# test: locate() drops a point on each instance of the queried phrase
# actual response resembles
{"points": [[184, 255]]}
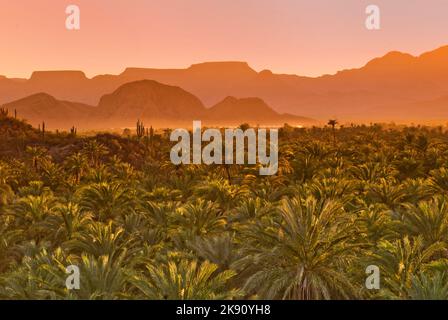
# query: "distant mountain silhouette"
{"points": [[233, 111], [154, 103], [56, 113], [365, 93], [149, 101]]}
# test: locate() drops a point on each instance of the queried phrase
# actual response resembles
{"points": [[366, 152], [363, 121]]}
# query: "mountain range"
{"points": [[395, 87], [154, 103]]}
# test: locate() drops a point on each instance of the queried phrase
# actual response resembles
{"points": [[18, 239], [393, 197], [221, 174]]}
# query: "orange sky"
{"points": [[286, 36]]}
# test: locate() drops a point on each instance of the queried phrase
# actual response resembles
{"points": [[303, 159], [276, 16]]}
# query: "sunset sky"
{"points": [[286, 36]]}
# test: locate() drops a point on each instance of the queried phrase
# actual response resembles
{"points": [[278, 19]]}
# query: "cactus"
{"points": [[140, 129], [43, 130], [73, 131], [3, 112]]}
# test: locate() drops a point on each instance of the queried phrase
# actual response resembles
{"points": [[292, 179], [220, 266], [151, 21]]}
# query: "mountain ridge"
{"points": [[384, 82], [154, 103]]}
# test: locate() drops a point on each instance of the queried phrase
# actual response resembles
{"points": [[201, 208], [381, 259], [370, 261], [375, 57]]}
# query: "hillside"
{"points": [[149, 101], [57, 114], [233, 111]]}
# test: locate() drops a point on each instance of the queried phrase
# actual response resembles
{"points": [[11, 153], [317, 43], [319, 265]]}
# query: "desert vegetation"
{"points": [[139, 227]]}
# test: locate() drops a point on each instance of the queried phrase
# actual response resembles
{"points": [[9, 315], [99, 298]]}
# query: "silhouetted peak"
{"points": [[225, 67], [40, 97], [232, 103], [149, 101], [391, 59], [65, 75], [229, 99], [266, 73], [143, 85], [139, 72], [253, 100]]}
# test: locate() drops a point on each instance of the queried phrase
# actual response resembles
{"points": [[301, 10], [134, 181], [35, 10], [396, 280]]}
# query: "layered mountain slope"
{"points": [[391, 81], [154, 103], [233, 111], [56, 113], [149, 101]]}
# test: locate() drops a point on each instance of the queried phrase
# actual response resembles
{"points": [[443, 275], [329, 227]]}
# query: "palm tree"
{"points": [[9, 239], [94, 151], [31, 214], [101, 240], [106, 200], [34, 188], [371, 172], [304, 255], [76, 164], [376, 223], [388, 193], [53, 175], [36, 155], [439, 180], [220, 250], [333, 123], [400, 260], [6, 177], [43, 277], [68, 221], [103, 278], [332, 188], [200, 218], [219, 191], [159, 215], [187, 280], [252, 208], [429, 287], [38, 277], [428, 219], [33, 210]]}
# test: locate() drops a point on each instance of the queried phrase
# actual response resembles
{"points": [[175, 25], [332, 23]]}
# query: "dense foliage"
{"points": [[139, 227]]}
